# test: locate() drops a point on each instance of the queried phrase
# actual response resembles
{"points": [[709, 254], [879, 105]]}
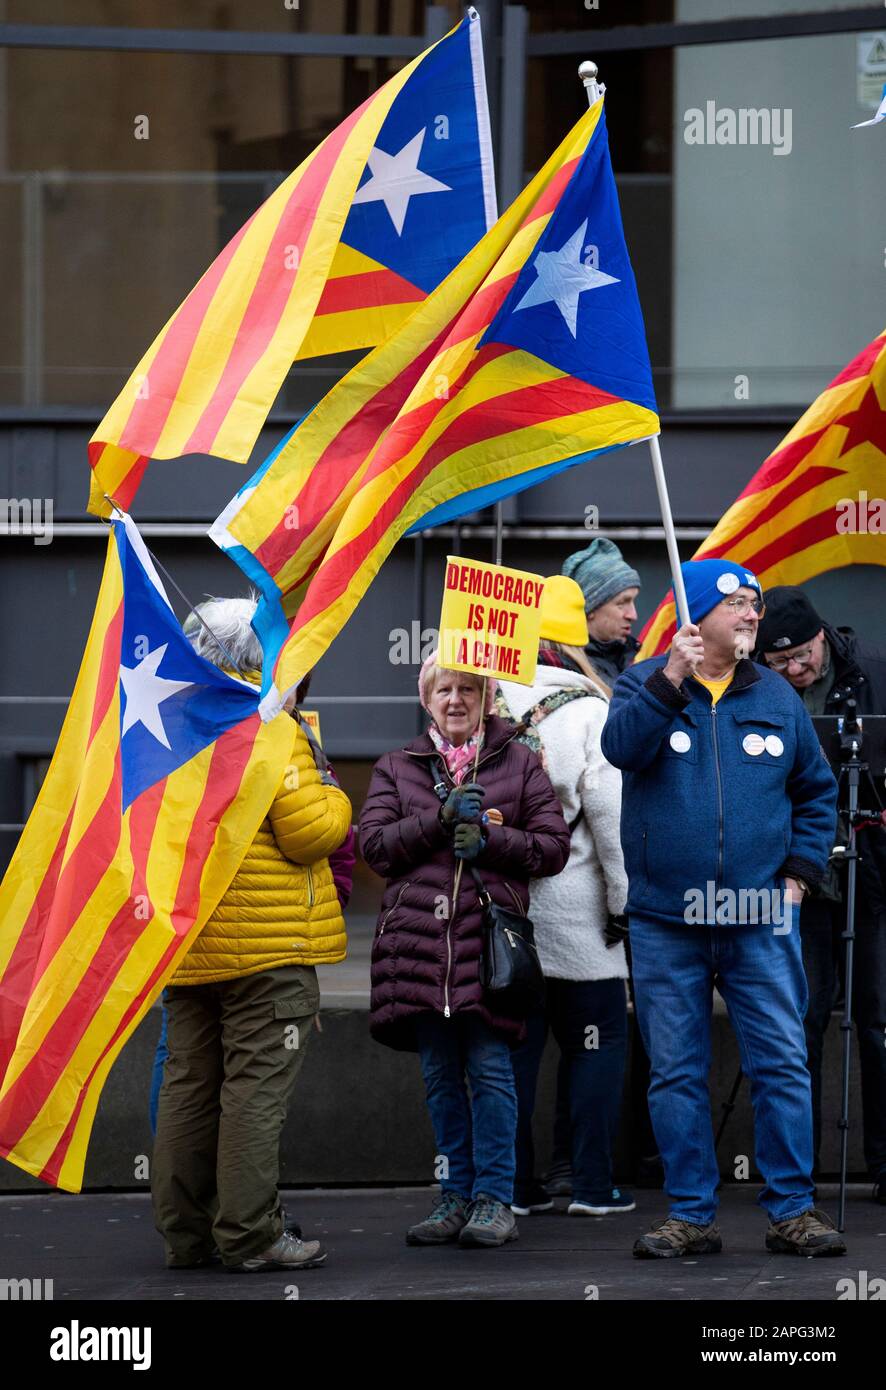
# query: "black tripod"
{"points": [[849, 777]]}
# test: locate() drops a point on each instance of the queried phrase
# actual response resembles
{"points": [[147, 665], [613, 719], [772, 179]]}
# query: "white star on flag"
{"points": [[396, 178], [563, 276], [145, 693]]}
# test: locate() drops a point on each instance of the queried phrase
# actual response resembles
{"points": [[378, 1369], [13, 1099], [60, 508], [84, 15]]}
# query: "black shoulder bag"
{"points": [[510, 970]]}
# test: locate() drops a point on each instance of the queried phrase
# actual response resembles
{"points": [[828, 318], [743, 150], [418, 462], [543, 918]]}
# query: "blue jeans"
{"points": [[159, 1062], [760, 975], [476, 1136], [594, 1076]]}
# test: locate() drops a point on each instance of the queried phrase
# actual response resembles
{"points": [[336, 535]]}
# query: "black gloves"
{"points": [[616, 929], [468, 841], [462, 804]]}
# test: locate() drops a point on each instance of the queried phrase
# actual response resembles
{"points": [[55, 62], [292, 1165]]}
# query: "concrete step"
{"points": [[358, 1115]]}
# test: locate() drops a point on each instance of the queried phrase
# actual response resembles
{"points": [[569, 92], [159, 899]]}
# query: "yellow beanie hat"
{"points": [[563, 617]]}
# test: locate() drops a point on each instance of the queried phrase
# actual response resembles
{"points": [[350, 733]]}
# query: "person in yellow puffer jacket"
{"points": [[241, 1007]]}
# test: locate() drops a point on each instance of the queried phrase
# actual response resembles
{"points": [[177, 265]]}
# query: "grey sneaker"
{"points": [[810, 1233], [444, 1223], [491, 1223], [675, 1237], [288, 1252]]}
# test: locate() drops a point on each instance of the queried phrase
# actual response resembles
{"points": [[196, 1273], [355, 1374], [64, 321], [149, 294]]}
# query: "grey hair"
{"points": [[229, 619]]}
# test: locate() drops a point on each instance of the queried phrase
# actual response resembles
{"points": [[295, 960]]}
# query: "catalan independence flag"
{"points": [[163, 773], [530, 358], [788, 525], [335, 259]]}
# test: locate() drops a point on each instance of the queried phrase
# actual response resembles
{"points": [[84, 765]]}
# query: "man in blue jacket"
{"points": [[728, 818]]}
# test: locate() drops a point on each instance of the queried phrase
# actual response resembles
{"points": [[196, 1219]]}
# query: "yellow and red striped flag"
{"points": [[162, 775], [787, 526], [501, 378], [335, 259]]}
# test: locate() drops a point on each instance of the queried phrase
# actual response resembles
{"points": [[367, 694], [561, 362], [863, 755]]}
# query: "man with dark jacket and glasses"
{"points": [[828, 667]]}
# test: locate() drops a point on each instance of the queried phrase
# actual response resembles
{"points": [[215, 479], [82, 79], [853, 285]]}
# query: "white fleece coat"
{"points": [[570, 910]]}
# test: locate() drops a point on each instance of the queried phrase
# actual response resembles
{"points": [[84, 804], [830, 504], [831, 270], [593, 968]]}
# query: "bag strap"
{"points": [[556, 700], [321, 762], [549, 703]]}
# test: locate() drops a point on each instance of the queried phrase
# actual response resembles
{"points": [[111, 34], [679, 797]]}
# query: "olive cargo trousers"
{"points": [[235, 1049]]}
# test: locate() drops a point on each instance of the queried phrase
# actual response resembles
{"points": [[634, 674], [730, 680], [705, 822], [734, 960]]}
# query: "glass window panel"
{"points": [[778, 246]]}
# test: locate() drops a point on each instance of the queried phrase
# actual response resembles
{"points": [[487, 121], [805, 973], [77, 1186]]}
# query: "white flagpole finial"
{"points": [[587, 71]]}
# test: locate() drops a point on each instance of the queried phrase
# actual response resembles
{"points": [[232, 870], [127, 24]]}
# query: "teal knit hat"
{"points": [[601, 572]]}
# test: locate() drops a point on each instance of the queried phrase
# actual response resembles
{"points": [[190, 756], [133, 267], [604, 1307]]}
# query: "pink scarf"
{"points": [[459, 759]]}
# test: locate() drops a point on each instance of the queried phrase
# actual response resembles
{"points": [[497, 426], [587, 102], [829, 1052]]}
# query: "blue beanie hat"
{"points": [[601, 572], [709, 581]]}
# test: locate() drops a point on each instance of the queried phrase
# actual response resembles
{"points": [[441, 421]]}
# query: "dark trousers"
{"points": [[235, 1049], [589, 1021], [824, 959]]}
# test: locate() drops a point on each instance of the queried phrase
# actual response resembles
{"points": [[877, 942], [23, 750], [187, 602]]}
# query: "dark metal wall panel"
{"points": [[48, 592]]}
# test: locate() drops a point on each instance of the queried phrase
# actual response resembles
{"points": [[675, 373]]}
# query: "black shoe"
{"points": [[206, 1261], [558, 1180], [535, 1199], [879, 1192]]}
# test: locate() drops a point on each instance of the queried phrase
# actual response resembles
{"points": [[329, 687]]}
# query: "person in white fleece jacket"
{"points": [[586, 1004]]}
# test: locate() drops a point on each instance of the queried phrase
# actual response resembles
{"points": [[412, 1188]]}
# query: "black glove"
{"points": [[468, 841], [616, 929], [462, 804]]}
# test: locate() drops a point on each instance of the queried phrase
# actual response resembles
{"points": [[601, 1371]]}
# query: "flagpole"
{"points": [[664, 503], [587, 71]]}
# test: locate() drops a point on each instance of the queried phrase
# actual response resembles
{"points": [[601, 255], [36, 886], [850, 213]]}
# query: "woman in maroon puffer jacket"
{"points": [[426, 991]]}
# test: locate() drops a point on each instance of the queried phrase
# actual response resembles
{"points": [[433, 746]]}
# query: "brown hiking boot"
{"points": [[675, 1237], [810, 1233]]}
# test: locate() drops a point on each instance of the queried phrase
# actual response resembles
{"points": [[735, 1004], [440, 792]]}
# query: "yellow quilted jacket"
{"points": [[281, 907]]}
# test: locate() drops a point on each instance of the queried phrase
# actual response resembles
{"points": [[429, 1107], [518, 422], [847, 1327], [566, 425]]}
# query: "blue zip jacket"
{"points": [[737, 795]]}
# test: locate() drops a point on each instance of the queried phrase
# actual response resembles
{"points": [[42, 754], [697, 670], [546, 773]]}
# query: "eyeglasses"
{"points": [[803, 657], [742, 606]]}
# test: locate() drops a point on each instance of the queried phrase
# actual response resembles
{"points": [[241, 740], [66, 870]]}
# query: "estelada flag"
{"points": [[336, 257], [162, 775], [530, 358], [789, 525]]}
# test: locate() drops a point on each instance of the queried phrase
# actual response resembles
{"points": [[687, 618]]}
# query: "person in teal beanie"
{"points": [[728, 818], [610, 587]]}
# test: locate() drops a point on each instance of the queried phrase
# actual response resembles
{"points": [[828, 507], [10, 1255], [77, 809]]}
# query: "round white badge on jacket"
{"points": [[774, 745], [753, 744], [680, 742]]}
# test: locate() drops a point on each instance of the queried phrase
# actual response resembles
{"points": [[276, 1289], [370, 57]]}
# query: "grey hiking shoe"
{"points": [[491, 1223], [287, 1252], [810, 1233], [444, 1223], [675, 1237]]}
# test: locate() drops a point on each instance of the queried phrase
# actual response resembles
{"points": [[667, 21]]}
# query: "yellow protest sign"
{"points": [[312, 719], [490, 620]]}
